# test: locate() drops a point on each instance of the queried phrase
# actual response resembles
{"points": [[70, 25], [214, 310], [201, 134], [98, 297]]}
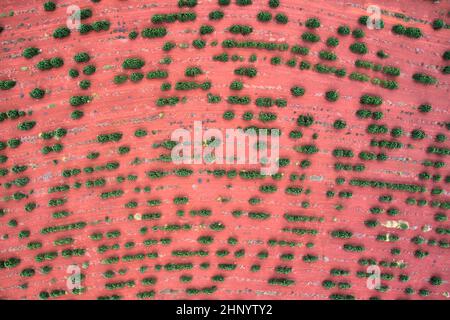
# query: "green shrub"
{"points": [[89, 70], [61, 32], [424, 78], [438, 24], [49, 6], [264, 16], [136, 76], [120, 78], [297, 91], [332, 95], [7, 84], [79, 100], [343, 30], [133, 63], [240, 29], [26, 125], [193, 71], [310, 37], [312, 23], [332, 42], [358, 48], [281, 18], [198, 43], [81, 57], [37, 93], [327, 55], [371, 100], [77, 114], [101, 25], [30, 52], [158, 32], [85, 84], [73, 73], [305, 120], [216, 15], [339, 124], [358, 33], [206, 29]]}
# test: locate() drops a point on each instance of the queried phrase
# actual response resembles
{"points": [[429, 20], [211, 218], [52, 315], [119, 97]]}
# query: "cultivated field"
{"points": [[87, 179]]}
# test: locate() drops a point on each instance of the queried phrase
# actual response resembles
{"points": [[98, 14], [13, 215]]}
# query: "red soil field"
{"points": [[130, 106]]}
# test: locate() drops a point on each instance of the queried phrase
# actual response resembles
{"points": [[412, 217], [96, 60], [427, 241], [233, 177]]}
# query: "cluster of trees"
{"points": [[71, 226], [240, 29], [358, 48], [7, 84], [321, 68], [30, 52], [305, 120], [216, 15], [370, 100], [271, 46], [332, 95], [281, 281], [327, 55], [76, 101], [269, 102], [297, 91], [343, 30], [199, 43], [410, 32], [206, 29], [357, 76], [310, 37], [111, 194], [438, 150], [133, 63], [9, 263], [243, 100], [246, 71], [61, 32], [49, 6], [37, 93], [312, 23], [424, 78], [158, 32], [343, 153], [169, 101], [377, 129], [48, 64], [109, 137], [157, 74], [365, 114], [187, 3], [193, 72], [353, 248], [267, 116], [191, 85], [387, 185], [81, 57], [307, 149], [386, 144], [341, 234], [173, 17], [300, 50], [101, 25]]}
